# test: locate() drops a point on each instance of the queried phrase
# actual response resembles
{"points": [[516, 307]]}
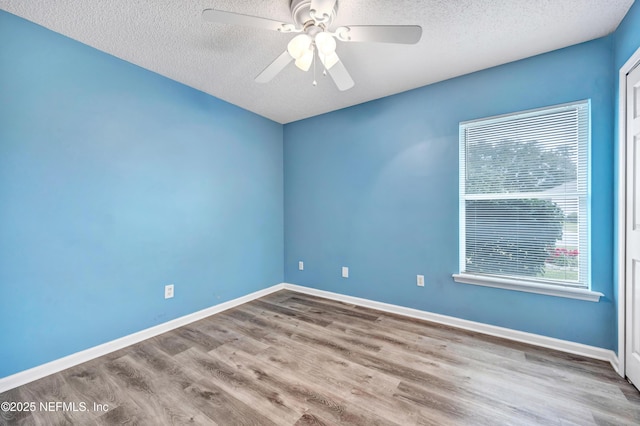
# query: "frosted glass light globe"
{"points": [[325, 43], [299, 45], [304, 62]]}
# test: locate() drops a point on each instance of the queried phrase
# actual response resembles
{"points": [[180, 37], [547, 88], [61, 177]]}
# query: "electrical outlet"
{"points": [[301, 265], [345, 272], [168, 291], [420, 281]]}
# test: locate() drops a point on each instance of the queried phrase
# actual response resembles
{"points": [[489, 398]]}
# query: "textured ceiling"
{"points": [[170, 38]]}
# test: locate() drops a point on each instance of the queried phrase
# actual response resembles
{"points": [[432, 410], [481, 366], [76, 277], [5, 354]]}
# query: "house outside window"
{"points": [[524, 200]]}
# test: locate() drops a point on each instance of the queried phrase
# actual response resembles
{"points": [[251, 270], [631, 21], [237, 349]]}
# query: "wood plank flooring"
{"points": [[294, 359]]}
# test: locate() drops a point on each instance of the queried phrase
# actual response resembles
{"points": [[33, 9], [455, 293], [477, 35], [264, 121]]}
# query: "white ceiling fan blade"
{"points": [[328, 60], [222, 17], [322, 7], [274, 68], [341, 76], [402, 34]]}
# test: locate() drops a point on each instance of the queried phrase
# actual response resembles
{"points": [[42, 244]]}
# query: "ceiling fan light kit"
{"points": [[313, 19]]}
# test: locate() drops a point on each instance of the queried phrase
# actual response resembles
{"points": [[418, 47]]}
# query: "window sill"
{"points": [[530, 287]]}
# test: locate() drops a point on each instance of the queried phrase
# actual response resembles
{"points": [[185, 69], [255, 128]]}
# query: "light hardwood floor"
{"points": [[294, 359]]}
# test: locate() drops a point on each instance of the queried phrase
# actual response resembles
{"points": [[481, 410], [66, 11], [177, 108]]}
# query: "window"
{"points": [[524, 201]]}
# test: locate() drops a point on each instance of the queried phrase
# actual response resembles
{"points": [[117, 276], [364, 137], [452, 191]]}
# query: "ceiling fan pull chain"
{"points": [[323, 61], [315, 83]]}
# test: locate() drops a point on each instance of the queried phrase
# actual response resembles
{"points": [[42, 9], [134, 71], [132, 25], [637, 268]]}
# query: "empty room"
{"points": [[290, 212]]}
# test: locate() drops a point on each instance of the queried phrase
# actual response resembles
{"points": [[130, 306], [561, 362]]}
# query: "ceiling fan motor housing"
{"points": [[302, 16]]}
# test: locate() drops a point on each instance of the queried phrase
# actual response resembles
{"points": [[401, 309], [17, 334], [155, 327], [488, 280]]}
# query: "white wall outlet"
{"points": [[168, 291], [420, 281], [300, 265], [345, 272]]}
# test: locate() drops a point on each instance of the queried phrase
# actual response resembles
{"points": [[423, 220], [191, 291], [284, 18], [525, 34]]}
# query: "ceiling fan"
{"points": [[312, 19]]}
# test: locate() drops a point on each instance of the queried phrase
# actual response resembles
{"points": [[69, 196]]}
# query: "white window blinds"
{"points": [[524, 196]]}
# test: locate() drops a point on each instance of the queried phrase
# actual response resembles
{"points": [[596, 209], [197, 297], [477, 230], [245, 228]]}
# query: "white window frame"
{"points": [[541, 286]]}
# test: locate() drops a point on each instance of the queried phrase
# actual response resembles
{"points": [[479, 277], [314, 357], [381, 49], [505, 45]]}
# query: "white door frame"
{"points": [[622, 195]]}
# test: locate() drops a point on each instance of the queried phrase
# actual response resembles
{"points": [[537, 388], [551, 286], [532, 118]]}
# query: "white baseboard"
{"points": [[35, 373], [615, 363], [77, 358], [506, 333]]}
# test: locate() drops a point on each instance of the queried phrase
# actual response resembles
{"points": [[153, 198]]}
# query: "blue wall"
{"points": [[627, 36], [375, 187], [115, 181]]}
